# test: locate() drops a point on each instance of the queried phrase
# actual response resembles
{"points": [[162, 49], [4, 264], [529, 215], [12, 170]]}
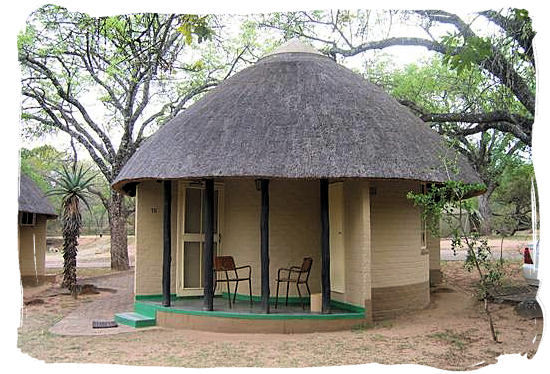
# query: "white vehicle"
{"points": [[531, 264]]}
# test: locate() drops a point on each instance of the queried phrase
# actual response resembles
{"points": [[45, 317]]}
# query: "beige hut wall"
{"points": [[400, 268], [294, 229], [26, 247], [433, 245], [149, 242]]}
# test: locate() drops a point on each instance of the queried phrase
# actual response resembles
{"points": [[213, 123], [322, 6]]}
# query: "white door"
{"points": [[191, 243], [337, 249]]}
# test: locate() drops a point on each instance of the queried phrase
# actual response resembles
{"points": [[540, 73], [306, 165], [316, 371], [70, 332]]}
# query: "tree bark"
{"points": [[119, 240], [485, 213]]}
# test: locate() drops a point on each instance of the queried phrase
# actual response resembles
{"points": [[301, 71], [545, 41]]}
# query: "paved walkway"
{"points": [[79, 321]]}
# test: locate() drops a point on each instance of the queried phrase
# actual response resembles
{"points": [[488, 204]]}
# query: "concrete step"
{"points": [[134, 319]]}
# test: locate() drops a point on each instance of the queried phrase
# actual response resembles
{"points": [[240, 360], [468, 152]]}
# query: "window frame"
{"points": [[24, 222]]}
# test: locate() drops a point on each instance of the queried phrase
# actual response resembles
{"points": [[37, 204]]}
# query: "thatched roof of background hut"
{"points": [[32, 199], [295, 114]]}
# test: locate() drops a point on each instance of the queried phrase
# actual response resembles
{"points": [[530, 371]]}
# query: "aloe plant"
{"points": [[72, 185]]}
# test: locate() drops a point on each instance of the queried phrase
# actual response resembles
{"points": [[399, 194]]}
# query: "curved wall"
{"points": [[400, 268]]}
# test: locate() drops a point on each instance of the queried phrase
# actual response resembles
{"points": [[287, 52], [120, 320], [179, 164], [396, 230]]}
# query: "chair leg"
{"points": [[277, 295], [250, 290], [300, 295], [287, 286], [228, 294], [308, 290], [235, 293]]}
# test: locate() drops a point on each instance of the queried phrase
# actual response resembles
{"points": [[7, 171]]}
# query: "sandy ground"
{"points": [[451, 333], [93, 252]]}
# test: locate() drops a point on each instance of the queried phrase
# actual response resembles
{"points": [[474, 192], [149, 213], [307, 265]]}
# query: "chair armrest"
{"points": [[244, 267], [290, 270], [282, 269]]}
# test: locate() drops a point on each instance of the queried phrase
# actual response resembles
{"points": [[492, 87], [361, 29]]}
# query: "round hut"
{"points": [[293, 158], [34, 212]]}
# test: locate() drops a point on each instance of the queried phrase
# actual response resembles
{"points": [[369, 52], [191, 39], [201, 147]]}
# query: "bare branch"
{"points": [[55, 123], [515, 124], [175, 109], [37, 65], [380, 44]]}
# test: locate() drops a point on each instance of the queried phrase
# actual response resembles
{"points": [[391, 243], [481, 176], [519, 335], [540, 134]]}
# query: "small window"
{"points": [[28, 219]]}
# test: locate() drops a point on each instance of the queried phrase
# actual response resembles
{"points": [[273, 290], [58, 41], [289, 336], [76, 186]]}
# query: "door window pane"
{"points": [[192, 211], [192, 265]]}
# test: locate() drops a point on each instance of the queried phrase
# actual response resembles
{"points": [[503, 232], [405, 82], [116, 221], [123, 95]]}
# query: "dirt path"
{"points": [[79, 321], [93, 252]]}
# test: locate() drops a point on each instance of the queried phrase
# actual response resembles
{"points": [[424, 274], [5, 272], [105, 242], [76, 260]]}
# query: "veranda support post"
{"points": [[208, 256], [325, 247], [264, 234], [167, 245]]}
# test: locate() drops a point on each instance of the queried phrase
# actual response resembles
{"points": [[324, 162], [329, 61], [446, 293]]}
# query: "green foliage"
{"points": [[436, 88], [191, 24], [445, 199], [39, 164], [73, 183], [442, 201], [26, 37], [42, 164], [511, 201], [466, 53]]}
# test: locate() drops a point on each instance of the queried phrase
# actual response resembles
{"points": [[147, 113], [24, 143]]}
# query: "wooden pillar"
{"points": [[167, 243], [325, 247], [264, 243], [208, 253]]}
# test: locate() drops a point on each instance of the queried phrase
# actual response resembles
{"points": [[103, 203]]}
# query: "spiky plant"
{"points": [[71, 184]]}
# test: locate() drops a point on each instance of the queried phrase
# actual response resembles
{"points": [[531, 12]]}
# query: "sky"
{"points": [[10, 142]]}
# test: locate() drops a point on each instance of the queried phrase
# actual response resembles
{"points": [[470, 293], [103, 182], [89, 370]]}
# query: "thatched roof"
{"points": [[295, 114], [32, 199]]}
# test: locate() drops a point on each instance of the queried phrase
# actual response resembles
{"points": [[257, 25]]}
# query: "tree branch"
{"points": [[515, 30], [42, 68], [176, 109], [515, 124], [390, 42]]}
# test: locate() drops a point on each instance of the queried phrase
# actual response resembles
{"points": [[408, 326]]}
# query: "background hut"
{"points": [[298, 156], [34, 212]]}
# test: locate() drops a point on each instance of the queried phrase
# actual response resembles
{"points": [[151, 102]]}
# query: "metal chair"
{"points": [[295, 274], [226, 265]]}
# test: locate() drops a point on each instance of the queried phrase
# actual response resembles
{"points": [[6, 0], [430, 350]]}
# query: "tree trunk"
{"points": [[119, 239], [485, 213]]}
